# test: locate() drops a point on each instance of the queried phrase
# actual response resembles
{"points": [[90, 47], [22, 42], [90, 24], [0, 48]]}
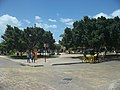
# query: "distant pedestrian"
{"points": [[33, 56], [84, 53], [28, 57], [17, 53]]}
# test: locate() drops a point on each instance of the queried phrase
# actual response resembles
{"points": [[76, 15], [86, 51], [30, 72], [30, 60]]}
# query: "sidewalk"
{"points": [[64, 59]]}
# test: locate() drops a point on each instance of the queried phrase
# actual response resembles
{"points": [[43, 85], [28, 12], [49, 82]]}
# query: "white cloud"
{"points": [[21, 28], [50, 26], [112, 15], [10, 20], [27, 21], [67, 21], [38, 18], [70, 23], [46, 26], [52, 20], [102, 14], [39, 23], [116, 13]]}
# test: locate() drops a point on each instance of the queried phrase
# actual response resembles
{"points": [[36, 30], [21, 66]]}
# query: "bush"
{"points": [[58, 54], [18, 57], [24, 56], [52, 53]]}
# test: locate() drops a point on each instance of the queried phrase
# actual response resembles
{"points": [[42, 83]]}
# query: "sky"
{"points": [[53, 15]]}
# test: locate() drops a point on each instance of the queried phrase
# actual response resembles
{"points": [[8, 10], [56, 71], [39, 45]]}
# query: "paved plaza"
{"points": [[61, 76]]}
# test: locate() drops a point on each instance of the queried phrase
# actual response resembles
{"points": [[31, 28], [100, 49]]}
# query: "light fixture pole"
{"points": [[45, 46]]}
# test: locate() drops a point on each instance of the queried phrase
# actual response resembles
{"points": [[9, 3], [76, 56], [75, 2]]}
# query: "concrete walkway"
{"points": [[63, 59]]}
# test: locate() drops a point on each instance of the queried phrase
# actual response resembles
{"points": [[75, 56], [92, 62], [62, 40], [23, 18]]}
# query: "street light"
{"points": [[45, 46]]}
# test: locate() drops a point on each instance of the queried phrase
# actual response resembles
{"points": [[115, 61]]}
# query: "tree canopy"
{"points": [[93, 33], [27, 39]]}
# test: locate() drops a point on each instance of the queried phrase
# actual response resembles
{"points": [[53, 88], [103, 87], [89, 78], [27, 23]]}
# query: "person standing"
{"points": [[35, 52], [28, 57], [33, 56]]}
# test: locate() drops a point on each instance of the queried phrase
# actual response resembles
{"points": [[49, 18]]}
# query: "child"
{"points": [[28, 57]]}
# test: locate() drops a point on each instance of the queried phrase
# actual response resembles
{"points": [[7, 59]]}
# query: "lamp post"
{"points": [[45, 46]]}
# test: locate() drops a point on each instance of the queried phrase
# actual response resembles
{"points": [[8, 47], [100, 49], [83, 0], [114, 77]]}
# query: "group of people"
{"points": [[31, 56]]}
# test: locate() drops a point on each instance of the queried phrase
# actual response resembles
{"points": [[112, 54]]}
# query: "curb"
{"points": [[23, 64], [66, 63], [54, 64]]}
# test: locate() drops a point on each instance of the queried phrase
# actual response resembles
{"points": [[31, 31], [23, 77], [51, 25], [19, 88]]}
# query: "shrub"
{"points": [[18, 57]]}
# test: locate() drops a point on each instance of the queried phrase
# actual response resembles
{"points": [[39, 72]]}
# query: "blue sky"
{"points": [[53, 15]]}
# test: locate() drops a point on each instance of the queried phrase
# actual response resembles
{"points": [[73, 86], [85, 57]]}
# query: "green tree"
{"points": [[13, 39], [48, 38], [27, 39], [93, 33], [67, 39]]}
